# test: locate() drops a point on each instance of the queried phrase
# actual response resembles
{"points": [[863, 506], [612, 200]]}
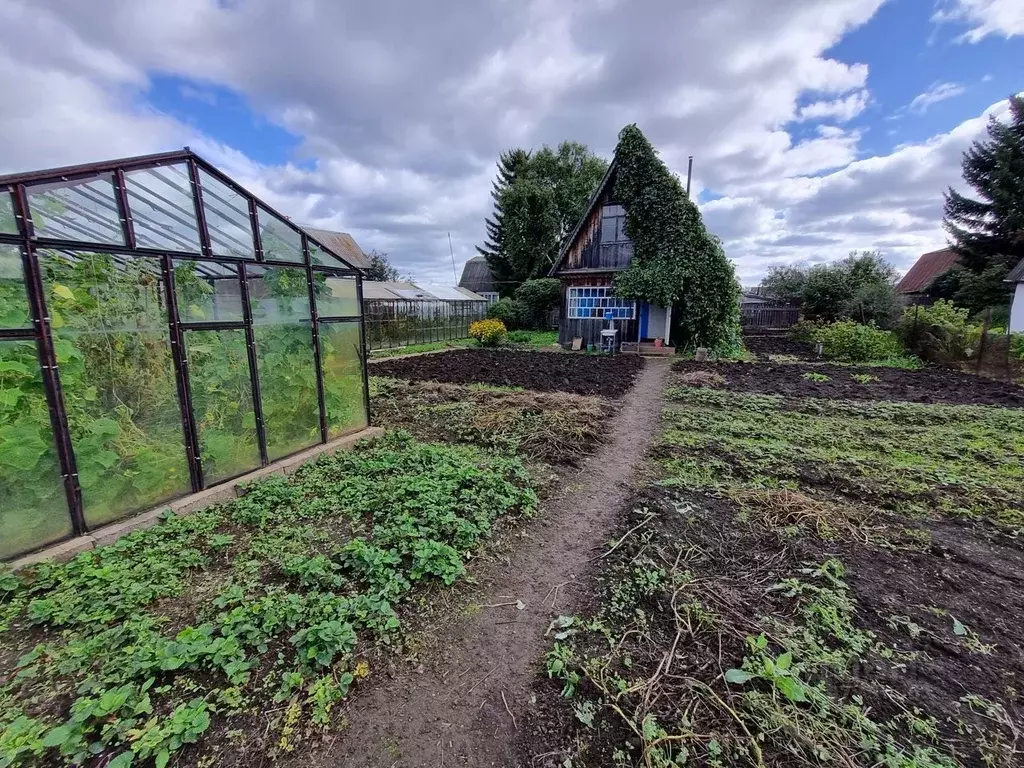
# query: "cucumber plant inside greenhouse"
{"points": [[161, 331]]}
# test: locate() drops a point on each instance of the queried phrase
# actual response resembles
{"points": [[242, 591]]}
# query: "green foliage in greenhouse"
{"points": [[111, 339]]}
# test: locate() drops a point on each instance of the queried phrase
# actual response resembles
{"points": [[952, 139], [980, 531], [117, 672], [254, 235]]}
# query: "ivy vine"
{"points": [[677, 262]]}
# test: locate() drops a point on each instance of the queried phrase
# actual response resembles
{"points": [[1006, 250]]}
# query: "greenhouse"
{"points": [[161, 331]]}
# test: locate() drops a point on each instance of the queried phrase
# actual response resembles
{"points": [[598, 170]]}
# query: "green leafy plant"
{"points": [[854, 342], [815, 376]]}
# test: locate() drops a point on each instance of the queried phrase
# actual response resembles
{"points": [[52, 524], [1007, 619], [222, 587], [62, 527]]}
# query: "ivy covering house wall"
{"points": [[677, 262]]}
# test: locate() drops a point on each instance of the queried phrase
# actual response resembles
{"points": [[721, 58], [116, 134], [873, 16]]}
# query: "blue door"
{"points": [[645, 313]]}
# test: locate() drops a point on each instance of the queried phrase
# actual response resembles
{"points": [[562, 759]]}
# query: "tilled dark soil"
{"points": [[931, 385], [907, 599], [540, 371], [763, 346]]}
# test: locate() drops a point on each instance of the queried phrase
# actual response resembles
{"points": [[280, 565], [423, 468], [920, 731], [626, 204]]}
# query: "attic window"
{"points": [[613, 224]]}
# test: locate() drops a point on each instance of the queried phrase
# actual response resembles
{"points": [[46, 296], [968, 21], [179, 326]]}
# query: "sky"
{"points": [[816, 127]]}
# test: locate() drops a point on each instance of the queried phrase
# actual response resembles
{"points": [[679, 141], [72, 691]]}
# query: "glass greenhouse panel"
{"points": [[84, 210], [109, 317], [207, 292], [227, 218], [280, 242], [319, 257], [162, 208], [335, 296], [14, 311], [341, 350], [218, 366], [285, 360], [34, 510], [8, 221]]}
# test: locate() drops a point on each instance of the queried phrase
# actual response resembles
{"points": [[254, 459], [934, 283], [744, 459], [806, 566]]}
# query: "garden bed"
{"points": [[552, 427], [812, 583], [230, 636], [767, 346], [840, 382], [539, 371]]}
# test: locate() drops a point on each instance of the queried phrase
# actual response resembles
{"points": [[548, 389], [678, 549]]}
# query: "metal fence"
{"points": [[759, 316], [401, 322]]}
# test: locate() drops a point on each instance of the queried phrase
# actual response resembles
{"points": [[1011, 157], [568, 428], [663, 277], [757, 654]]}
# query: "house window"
{"points": [[592, 303], [491, 297], [613, 224]]}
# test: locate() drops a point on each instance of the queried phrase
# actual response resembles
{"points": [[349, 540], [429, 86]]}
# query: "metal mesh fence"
{"points": [[401, 322]]}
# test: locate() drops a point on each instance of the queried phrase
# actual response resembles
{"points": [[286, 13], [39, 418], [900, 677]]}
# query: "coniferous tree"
{"points": [[987, 232], [511, 164], [538, 199]]}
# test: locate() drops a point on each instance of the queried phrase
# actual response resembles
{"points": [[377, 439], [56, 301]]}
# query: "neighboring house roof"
{"points": [[477, 277], [753, 298], [373, 289], [341, 243], [1016, 274], [926, 269], [594, 199]]}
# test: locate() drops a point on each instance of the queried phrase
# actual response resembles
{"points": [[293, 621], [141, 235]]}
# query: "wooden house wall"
{"points": [[590, 329], [587, 251]]}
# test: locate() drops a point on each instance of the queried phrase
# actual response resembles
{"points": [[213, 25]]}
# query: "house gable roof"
{"points": [[591, 204], [929, 266]]}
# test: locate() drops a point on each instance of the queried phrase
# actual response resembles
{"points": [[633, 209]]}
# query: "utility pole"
{"points": [[689, 175]]}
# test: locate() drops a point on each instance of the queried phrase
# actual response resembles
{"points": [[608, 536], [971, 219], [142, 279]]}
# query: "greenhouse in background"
{"points": [[161, 331]]}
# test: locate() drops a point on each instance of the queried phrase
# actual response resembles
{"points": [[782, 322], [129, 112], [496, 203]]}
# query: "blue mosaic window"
{"points": [[592, 303]]}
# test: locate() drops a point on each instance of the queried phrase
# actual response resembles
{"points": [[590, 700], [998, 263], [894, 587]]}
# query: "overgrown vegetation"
{"points": [[774, 601], [554, 428], [677, 263], [189, 630]]}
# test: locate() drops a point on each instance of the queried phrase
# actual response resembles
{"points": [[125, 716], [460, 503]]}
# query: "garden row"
{"points": [[811, 582]]}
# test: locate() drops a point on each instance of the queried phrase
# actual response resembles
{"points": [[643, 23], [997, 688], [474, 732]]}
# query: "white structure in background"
{"points": [[430, 298], [1016, 276]]}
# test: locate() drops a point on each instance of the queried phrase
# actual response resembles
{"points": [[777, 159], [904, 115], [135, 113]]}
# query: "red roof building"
{"points": [[925, 270]]}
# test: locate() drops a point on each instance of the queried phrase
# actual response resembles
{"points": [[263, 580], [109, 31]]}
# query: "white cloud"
{"points": [[840, 110], [401, 109], [1003, 18], [936, 92]]}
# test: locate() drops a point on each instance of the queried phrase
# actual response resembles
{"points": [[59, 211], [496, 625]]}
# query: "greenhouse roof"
{"points": [[173, 202]]}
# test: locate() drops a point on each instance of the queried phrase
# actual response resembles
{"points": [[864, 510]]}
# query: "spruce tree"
{"points": [[677, 263], [987, 233], [511, 165]]}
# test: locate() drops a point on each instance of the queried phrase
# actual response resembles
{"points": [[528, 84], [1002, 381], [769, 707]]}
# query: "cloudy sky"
{"points": [[817, 127]]}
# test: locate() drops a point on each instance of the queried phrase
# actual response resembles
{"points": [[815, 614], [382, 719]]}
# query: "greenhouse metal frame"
{"points": [[174, 224]]}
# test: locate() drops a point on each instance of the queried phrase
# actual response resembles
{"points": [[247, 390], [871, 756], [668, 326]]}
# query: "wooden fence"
{"points": [[758, 316]]}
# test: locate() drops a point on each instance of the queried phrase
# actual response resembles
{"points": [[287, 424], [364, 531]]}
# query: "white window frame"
{"points": [[602, 300]]}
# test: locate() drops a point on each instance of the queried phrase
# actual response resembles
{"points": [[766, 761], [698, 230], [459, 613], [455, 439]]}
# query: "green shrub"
{"points": [[490, 333], [941, 333], [537, 298], [1017, 345], [511, 312], [847, 340], [806, 330]]}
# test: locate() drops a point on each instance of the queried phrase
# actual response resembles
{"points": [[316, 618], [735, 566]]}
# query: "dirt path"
{"points": [[451, 712]]}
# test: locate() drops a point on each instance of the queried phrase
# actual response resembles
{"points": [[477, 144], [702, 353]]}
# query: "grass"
{"points": [[776, 598], [244, 624], [908, 458]]}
